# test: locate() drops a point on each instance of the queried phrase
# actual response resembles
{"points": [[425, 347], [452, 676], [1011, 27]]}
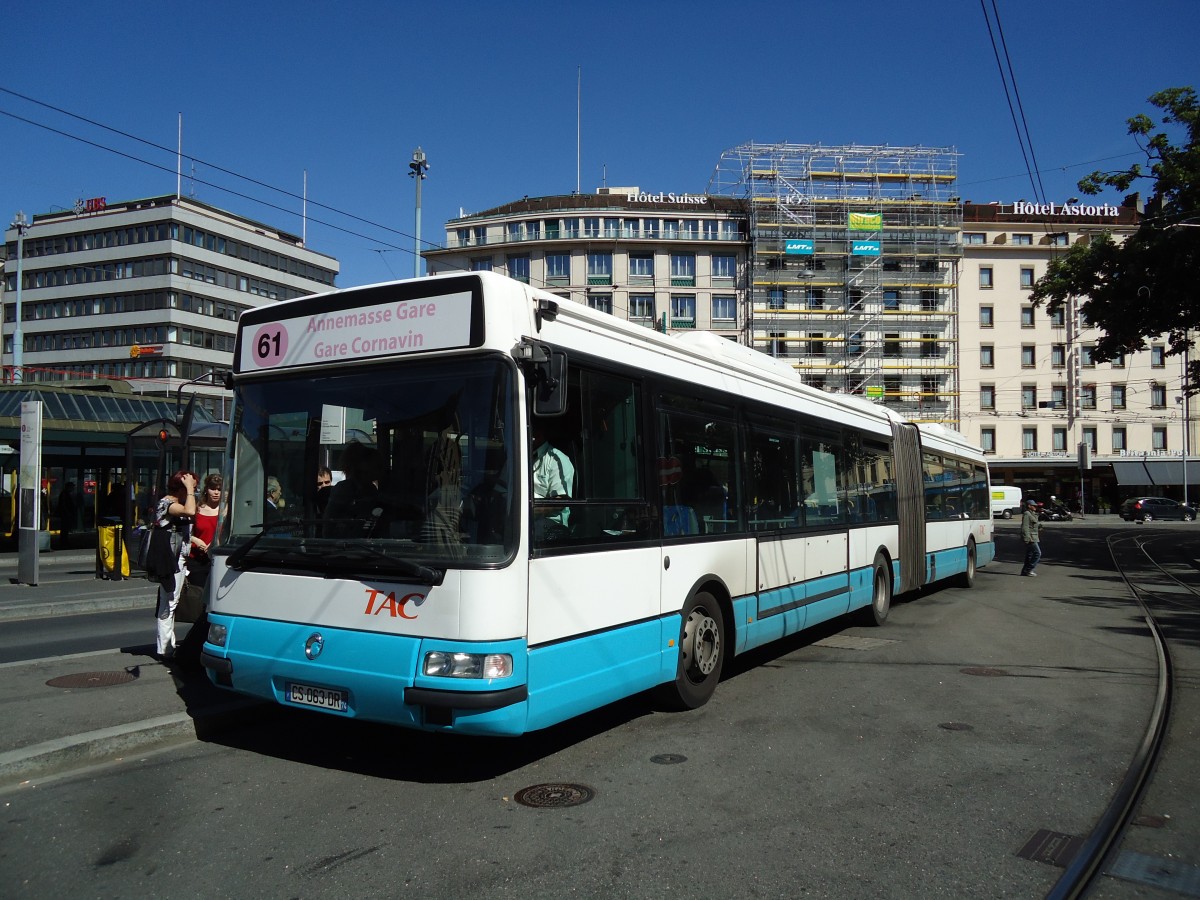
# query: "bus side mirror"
{"points": [[550, 385], [547, 371]]}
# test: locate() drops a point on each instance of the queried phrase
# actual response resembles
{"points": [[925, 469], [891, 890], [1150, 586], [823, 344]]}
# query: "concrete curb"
{"points": [[89, 748], [43, 608]]}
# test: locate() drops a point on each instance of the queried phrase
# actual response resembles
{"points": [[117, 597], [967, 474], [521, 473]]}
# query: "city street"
{"points": [[849, 762]]}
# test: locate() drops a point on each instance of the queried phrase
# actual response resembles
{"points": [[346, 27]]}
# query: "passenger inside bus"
{"points": [[353, 501], [553, 479]]}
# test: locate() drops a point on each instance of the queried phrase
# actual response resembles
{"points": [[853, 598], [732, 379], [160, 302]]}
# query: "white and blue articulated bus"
{"points": [[538, 508]]}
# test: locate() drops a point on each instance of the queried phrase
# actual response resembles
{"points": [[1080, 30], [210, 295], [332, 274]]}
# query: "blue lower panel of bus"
{"points": [[374, 675], [571, 677], [947, 563], [771, 615]]}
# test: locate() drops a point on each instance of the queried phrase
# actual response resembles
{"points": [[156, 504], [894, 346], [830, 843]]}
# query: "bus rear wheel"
{"points": [[967, 578], [881, 593], [701, 654]]}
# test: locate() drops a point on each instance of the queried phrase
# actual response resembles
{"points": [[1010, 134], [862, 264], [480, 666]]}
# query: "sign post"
{"points": [[29, 493]]}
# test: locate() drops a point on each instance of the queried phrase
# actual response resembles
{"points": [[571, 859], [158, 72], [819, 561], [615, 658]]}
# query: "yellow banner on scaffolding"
{"points": [[866, 221]]}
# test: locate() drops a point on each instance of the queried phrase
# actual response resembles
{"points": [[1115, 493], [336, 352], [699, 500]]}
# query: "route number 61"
{"points": [[270, 344]]}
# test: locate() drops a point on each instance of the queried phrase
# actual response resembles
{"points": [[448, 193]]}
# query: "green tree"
{"points": [[1149, 285]]}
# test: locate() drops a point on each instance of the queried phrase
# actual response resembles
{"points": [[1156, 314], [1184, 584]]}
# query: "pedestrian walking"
{"points": [[174, 513], [1029, 534]]}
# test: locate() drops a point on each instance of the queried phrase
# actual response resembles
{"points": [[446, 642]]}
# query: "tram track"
{"points": [[1101, 846]]}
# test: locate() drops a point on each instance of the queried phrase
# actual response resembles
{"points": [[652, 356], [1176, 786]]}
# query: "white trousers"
{"points": [[165, 612]]}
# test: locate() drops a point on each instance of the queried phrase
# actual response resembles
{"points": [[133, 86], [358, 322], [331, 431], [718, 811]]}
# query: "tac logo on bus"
{"points": [[380, 601]]}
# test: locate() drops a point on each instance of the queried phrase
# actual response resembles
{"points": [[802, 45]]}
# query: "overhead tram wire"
{"points": [[1006, 76], [214, 185]]}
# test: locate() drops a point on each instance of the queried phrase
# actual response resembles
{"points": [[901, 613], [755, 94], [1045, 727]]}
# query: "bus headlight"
{"points": [[468, 665], [217, 633]]}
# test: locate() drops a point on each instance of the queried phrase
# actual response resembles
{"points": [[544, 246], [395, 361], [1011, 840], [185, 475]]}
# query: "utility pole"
{"points": [[417, 169], [22, 225]]}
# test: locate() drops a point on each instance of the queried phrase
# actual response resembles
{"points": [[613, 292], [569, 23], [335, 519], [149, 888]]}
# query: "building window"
{"points": [[599, 268], [930, 346], [1029, 396], [1058, 240], [1158, 396], [974, 237], [1158, 438], [987, 439], [683, 310], [1026, 316], [518, 268], [1118, 396], [985, 277], [1087, 396], [1058, 356], [683, 269], [987, 356], [650, 227], [724, 267], [1029, 440], [601, 302], [815, 298], [987, 316], [641, 269], [1158, 356], [1119, 442], [1087, 356], [1022, 240], [1058, 437], [591, 227], [891, 344], [1028, 356], [891, 299], [1089, 439], [558, 268], [724, 310], [481, 264], [641, 306], [1058, 396], [987, 396], [816, 343], [1118, 361], [1058, 318], [1026, 277]]}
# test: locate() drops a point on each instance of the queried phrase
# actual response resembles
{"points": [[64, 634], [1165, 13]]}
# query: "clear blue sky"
{"points": [[347, 90]]}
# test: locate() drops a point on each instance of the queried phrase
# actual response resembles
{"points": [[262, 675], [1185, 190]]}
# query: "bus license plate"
{"points": [[322, 698]]}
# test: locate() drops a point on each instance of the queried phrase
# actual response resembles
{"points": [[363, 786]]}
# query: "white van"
{"points": [[1005, 501]]}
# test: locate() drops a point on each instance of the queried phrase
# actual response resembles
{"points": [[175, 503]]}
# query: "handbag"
{"points": [[191, 603]]}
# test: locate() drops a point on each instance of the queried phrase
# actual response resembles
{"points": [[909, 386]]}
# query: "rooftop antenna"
{"points": [[179, 161], [578, 121], [304, 213]]}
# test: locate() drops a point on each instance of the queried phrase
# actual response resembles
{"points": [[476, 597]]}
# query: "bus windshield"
{"points": [[375, 470]]}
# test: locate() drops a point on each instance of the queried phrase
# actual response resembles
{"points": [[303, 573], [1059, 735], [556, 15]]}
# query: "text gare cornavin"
{"points": [[372, 318]]}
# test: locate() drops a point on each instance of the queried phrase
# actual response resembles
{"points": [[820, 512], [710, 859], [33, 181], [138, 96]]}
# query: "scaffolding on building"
{"points": [[853, 269]]}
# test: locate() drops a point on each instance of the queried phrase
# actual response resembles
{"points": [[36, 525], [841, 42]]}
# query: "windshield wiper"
{"points": [[234, 559], [358, 552]]}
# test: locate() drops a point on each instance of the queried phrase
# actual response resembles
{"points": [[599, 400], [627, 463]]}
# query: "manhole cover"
{"points": [[91, 680], [668, 759], [985, 671], [554, 796]]}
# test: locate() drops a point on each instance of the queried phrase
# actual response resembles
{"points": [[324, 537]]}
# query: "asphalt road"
{"points": [[910, 761]]}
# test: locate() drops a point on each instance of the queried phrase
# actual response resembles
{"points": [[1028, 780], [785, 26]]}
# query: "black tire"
{"points": [[1008, 514], [1189, 516], [701, 654], [1146, 517], [881, 593], [967, 578]]}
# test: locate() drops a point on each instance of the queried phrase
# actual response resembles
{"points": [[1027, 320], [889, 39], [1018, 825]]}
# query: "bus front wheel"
{"points": [[701, 654]]}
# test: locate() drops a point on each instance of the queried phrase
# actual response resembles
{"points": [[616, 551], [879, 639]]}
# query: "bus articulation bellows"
{"points": [[539, 509]]}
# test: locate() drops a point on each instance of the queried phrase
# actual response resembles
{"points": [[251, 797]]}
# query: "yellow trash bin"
{"points": [[113, 556]]}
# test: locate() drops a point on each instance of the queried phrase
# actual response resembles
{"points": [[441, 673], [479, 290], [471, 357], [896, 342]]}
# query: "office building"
{"points": [[146, 291]]}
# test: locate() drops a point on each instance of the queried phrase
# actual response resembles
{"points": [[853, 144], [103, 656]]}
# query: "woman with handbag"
{"points": [[199, 563], [173, 517]]}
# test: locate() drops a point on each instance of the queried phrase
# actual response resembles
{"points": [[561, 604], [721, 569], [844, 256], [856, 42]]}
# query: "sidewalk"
{"points": [[62, 568]]}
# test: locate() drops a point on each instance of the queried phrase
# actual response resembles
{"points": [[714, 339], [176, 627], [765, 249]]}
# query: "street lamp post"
{"points": [[22, 225], [417, 169]]}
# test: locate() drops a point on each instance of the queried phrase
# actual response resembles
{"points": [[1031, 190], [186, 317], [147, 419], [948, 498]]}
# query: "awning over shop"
{"points": [[1152, 472]]}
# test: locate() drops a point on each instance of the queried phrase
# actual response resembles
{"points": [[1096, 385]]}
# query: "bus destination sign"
{"points": [[385, 329]]}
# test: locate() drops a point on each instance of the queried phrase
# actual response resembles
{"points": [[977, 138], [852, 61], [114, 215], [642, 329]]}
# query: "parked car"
{"points": [[1146, 509]]}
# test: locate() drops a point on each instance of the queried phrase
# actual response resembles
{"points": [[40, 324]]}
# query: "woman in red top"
{"points": [[205, 527]]}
